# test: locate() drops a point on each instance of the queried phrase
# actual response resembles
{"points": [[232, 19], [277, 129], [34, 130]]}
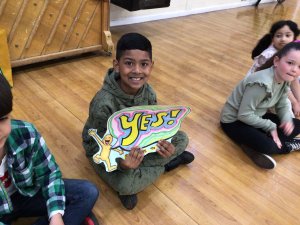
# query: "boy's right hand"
{"points": [[133, 159]]}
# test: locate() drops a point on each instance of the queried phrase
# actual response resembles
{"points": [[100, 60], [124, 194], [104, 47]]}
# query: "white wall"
{"points": [[120, 16]]}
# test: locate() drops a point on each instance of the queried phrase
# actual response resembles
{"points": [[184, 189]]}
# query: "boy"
{"points": [[124, 86], [30, 180]]}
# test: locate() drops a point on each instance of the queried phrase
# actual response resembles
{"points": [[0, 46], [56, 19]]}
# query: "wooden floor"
{"points": [[198, 61]]}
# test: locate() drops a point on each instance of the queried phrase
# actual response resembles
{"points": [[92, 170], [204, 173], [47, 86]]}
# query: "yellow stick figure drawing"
{"points": [[140, 126], [104, 149]]}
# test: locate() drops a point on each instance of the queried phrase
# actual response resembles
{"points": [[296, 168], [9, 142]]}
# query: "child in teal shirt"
{"points": [[31, 183]]}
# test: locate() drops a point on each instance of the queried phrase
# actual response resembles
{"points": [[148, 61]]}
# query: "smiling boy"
{"points": [[125, 86]]}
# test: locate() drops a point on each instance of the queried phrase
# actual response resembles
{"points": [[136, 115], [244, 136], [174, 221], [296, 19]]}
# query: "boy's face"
{"points": [[5, 129], [134, 67]]}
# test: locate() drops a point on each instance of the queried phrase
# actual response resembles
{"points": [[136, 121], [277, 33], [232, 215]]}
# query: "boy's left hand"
{"points": [[166, 149]]}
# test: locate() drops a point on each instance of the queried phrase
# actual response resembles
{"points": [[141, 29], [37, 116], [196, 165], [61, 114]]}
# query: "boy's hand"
{"points": [[56, 220], [133, 159], [166, 149]]}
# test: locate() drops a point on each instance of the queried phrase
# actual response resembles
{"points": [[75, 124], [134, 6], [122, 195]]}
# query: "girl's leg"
{"points": [[285, 140], [253, 142], [257, 3], [280, 1], [256, 139], [81, 196]]}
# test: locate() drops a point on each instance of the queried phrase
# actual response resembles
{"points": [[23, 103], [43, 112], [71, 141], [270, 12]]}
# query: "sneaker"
{"points": [[293, 145], [128, 201], [262, 160], [184, 158], [90, 220]]}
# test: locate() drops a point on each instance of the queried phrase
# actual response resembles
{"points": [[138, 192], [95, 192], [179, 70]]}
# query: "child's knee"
{"points": [[92, 191], [125, 184], [180, 141]]}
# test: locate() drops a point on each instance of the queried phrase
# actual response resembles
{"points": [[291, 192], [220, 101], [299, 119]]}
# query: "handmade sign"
{"points": [[141, 126]]}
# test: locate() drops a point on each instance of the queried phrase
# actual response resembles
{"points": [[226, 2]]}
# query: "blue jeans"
{"points": [[81, 196]]}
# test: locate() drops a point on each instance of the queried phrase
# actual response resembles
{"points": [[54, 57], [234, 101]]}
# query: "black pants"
{"points": [[257, 139], [278, 1]]}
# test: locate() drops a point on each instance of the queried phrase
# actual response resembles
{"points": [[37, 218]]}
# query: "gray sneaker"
{"points": [[262, 160]]}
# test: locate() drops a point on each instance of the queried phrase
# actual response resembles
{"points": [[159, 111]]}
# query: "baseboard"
{"points": [[186, 12]]}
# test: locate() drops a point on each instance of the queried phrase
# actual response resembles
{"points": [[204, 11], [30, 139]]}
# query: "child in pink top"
{"points": [[281, 33]]}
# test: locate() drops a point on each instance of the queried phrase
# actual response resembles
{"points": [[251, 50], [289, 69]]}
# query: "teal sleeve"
{"points": [[48, 176]]}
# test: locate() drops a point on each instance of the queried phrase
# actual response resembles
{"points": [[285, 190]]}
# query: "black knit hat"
{"points": [[5, 96]]}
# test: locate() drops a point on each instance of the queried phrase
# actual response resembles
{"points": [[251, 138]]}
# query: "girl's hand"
{"points": [[296, 108], [133, 159], [276, 138], [56, 219], [166, 149], [287, 127]]}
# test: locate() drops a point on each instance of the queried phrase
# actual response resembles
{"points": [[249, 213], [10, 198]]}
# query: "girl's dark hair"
{"points": [[266, 40], [282, 52], [5, 96], [133, 41]]}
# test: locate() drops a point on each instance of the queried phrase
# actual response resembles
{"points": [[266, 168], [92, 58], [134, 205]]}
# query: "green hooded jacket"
{"points": [[108, 100]]}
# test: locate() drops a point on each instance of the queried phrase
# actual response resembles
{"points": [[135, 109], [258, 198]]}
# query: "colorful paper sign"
{"points": [[141, 126]]}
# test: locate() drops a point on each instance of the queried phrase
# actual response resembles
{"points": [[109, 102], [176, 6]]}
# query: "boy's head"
{"points": [[5, 110], [133, 62], [132, 41], [5, 96]]}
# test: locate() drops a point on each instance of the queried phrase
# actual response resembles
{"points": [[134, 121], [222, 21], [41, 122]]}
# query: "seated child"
{"points": [[281, 33], [245, 117], [125, 86], [31, 184]]}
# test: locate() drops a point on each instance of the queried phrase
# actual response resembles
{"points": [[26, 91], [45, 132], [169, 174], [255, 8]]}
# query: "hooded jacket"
{"points": [[108, 100]]}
